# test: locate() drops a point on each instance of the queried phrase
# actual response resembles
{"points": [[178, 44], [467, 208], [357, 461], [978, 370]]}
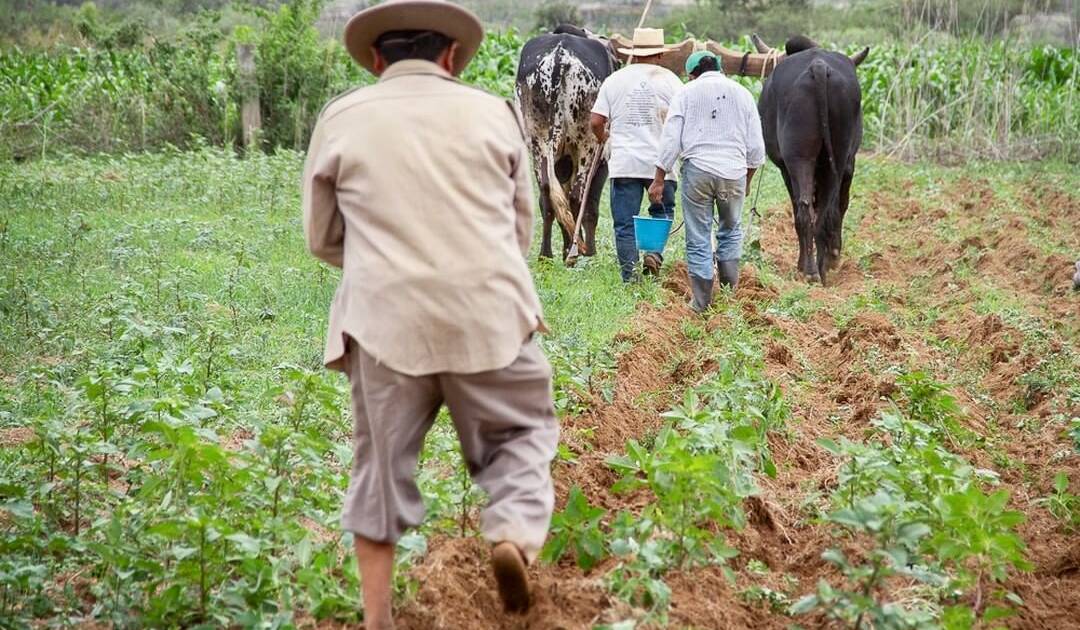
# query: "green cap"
{"points": [[693, 60]]}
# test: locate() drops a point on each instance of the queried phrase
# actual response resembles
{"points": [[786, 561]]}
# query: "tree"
{"points": [[555, 12]]}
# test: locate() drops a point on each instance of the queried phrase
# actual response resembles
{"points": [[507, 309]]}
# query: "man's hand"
{"points": [[656, 191], [657, 188]]}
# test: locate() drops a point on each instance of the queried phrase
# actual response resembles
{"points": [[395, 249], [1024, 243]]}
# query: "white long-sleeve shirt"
{"points": [[713, 122]]}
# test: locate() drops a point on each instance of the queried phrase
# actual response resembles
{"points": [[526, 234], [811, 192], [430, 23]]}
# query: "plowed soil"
{"points": [[910, 294]]}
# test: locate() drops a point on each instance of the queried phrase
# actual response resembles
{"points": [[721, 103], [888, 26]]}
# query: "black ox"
{"points": [[811, 116], [558, 78]]}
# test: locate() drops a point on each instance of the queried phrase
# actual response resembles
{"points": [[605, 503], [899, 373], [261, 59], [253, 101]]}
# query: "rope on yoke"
{"points": [[755, 225], [648, 5], [773, 57]]}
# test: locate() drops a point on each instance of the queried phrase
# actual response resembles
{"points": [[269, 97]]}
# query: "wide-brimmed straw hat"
{"points": [[441, 16], [647, 42]]}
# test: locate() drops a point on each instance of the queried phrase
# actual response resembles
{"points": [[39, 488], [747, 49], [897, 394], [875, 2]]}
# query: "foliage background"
{"points": [[93, 79]]}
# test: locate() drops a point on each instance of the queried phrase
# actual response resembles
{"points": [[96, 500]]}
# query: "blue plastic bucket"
{"points": [[652, 234]]}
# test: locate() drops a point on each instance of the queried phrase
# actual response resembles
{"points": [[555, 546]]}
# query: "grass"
{"points": [[161, 333], [179, 281]]}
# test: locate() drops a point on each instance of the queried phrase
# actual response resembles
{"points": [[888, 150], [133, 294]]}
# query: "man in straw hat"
{"points": [[629, 114], [713, 125], [418, 187]]}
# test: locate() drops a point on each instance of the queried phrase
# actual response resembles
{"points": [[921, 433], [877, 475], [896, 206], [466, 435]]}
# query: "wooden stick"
{"points": [[571, 257]]}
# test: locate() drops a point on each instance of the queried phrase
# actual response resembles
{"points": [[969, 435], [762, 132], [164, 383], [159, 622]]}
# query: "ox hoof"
{"points": [[812, 278], [571, 260]]}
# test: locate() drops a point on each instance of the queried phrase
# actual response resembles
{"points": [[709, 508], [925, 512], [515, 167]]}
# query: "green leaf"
{"points": [[847, 517], [835, 556], [804, 605], [19, 509], [169, 529], [769, 467], [1061, 483], [555, 547], [911, 533], [829, 445], [993, 613], [247, 544], [744, 433], [181, 553], [958, 618]]}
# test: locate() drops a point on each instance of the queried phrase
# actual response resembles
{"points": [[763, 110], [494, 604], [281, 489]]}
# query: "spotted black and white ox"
{"points": [[558, 78], [811, 119]]}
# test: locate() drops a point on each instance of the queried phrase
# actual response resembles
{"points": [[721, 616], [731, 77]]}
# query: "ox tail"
{"points": [[560, 203], [820, 71]]}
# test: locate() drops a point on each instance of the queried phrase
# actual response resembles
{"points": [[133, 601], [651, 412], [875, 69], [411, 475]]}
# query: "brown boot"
{"points": [[511, 577], [652, 264]]}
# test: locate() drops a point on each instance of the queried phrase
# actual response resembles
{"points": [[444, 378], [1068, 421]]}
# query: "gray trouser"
{"points": [[505, 421], [706, 195]]}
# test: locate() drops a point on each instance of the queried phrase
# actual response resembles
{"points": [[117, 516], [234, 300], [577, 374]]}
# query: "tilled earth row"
{"points": [[831, 371]]}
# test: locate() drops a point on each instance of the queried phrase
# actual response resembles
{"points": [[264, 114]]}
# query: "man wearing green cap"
{"points": [[714, 126]]}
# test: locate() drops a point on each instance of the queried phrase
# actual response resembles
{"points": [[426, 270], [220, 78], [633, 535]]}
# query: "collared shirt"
{"points": [[635, 99], [714, 123], [419, 188]]}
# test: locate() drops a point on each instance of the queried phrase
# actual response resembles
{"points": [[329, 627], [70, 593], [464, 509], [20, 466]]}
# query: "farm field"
{"points": [[900, 448]]}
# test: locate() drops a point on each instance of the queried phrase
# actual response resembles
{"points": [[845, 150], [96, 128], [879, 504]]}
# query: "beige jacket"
{"points": [[418, 187]]}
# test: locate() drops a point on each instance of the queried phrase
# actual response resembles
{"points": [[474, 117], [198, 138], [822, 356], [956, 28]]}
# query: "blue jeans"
{"points": [[626, 194], [702, 193]]}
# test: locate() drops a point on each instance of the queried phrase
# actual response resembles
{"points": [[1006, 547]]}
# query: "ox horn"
{"points": [[745, 64], [860, 56], [760, 44]]}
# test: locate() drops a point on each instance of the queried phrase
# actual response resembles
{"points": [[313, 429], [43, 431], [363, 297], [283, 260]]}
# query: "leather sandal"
{"points": [[652, 264], [511, 576]]}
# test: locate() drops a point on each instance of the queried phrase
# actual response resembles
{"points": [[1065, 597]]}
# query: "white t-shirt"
{"points": [[635, 100]]}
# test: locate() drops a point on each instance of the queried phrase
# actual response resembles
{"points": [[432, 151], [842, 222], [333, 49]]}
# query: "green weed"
{"points": [[927, 514], [576, 527], [1064, 505]]}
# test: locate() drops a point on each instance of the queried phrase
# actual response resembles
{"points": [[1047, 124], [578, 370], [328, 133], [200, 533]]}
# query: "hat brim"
{"points": [[645, 52], [453, 21]]}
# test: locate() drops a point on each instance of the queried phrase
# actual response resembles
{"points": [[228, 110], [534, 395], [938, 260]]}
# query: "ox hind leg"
{"points": [[592, 209], [836, 246], [800, 174], [547, 210], [830, 218]]}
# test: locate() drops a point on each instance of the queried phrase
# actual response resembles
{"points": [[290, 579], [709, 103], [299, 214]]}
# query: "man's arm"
{"points": [[670, 148], [600, 113], [656, 188], [521, 172], [523, 201], [598, 123], [324, 227], [749, 178]]}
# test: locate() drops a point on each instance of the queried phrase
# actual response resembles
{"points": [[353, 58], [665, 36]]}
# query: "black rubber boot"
{"points": [[702, 290], [728, 272]]}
